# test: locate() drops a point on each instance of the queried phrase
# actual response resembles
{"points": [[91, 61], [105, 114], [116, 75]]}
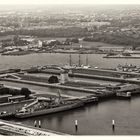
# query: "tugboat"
{"points": [[43, 106]]}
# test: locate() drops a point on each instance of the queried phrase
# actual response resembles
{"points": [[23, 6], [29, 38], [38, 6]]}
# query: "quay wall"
{"points": [[102, 72], [94, 92], [75, 83], [50, 85], [107, 75], [107, 78], [99, 77], [34, 78], [95, 72]]}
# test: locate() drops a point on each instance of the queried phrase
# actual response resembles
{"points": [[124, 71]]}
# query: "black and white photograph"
{"points": [[69, 68]]}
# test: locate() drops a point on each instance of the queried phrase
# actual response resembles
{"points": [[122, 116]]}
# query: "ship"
{"points": [[124, 90], [122, 55], [80, 65], [44, 106]]}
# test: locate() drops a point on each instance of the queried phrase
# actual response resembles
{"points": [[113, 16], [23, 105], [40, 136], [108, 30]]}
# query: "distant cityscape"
{"points": [[42, 29]]}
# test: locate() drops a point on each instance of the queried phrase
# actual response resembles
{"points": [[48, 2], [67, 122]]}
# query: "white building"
{"points": [[39, 44]]}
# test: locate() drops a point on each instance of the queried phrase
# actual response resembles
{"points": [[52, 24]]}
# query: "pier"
{"points": [[11, 128]]}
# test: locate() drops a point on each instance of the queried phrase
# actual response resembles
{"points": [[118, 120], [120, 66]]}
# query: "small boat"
{"points": [[124, 95], [5, 114], [89, 99], [47, 106]]}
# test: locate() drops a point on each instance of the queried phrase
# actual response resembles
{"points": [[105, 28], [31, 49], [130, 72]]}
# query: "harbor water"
{"points": [[95, 119], [95, 60], [92, 119]]}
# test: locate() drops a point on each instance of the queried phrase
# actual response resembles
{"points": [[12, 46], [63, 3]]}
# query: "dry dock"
{"points": [[101, 74], [59, 86]]}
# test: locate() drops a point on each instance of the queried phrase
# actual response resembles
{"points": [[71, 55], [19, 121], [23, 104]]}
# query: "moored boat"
{"points": [[124, 95], [4, 114], [44, 107], [89, 99]]}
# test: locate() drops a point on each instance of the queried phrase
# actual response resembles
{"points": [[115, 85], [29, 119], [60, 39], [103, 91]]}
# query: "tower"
{"points": [[64, 77]]}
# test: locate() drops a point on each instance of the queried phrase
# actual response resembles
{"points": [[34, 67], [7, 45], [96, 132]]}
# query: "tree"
{"points": [[26, 92], [53, 79], [4, 91], [75, 40]]}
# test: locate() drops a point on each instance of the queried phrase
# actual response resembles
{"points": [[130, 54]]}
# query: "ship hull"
{"points": [[49, 111], [124, 97]]}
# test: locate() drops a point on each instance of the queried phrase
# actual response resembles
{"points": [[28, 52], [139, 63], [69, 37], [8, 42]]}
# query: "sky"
{"points": [[69, 2]]}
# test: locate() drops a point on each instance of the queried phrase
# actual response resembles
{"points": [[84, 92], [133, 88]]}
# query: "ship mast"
{"points": [[79, 60], [80, 55], [70, 62], [87, 60], [59, 96], [70, 59]]}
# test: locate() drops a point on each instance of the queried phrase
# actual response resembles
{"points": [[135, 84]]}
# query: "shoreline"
{"points": [[28, 53]]}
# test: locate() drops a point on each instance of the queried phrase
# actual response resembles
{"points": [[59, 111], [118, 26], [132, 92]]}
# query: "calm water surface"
{"points": [[95, 60], [92, 119], [95, 119]]}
